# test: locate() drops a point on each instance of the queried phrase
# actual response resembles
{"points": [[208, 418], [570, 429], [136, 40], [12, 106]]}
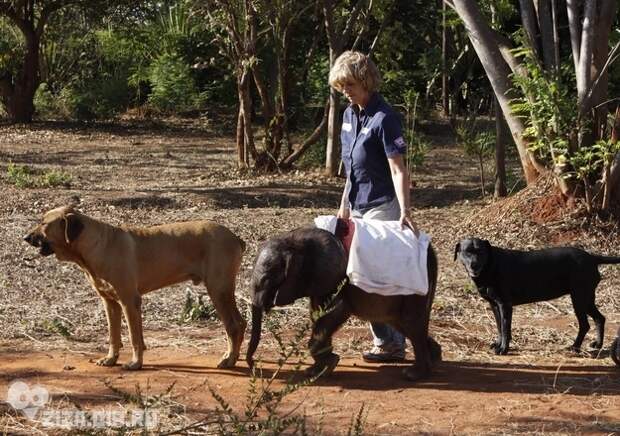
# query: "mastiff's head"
{"points": [[58, 229]]}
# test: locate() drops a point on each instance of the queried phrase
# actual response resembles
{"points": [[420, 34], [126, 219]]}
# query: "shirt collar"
{"points": [[373, 104]]}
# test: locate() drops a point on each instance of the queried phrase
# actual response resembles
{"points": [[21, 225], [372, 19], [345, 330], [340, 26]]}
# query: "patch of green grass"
{"points": [[20, 176], [53, 178], [23, 176]]}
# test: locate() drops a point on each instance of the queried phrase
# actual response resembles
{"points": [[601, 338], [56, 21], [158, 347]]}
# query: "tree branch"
{"points": [[346, 34], [312, 139]]}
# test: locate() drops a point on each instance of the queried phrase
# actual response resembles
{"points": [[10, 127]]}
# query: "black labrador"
{"points": [[507, 278]]}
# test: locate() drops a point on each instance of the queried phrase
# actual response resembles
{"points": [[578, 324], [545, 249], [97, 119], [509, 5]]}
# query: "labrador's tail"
{"points": [[602, 260]]}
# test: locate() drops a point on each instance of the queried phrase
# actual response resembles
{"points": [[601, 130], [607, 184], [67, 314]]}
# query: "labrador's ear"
{"points": [[291, 286], [487, 246], [457, 249], [73, 227]]}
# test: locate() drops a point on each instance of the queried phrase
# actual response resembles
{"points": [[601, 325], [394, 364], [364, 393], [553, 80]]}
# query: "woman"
{"points": [[377, 185]]}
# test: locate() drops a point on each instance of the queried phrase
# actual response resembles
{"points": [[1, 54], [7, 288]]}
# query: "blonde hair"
{"points": [[353, 65]]}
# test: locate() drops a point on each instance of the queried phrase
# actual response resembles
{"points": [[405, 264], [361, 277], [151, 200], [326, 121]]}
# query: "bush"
{"points": [[173, 87], [23, 177], [45, 102]]}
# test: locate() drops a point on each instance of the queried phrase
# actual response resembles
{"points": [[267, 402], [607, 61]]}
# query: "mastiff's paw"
{"points": [[107, 361], [133, 365], [227, 361]]}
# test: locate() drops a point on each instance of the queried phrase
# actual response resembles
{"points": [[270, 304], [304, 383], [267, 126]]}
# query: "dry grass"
{"points": [[137, 176]]}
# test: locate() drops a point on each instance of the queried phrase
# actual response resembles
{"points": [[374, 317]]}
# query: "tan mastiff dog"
{"points": [[124, 263]]}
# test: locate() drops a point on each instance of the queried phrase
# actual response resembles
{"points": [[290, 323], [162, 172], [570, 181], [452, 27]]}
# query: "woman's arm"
{"points": [[344, 210], [400, 177]]}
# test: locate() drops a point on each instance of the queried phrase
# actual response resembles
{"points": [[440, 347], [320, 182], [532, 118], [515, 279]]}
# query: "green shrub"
{"points": [[24, 177], [173, 87], [20, 176], [53, 178], [197, 309]]}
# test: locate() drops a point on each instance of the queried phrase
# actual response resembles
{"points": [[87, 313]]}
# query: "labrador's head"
{"points": [[474, 254], [57, 230]]}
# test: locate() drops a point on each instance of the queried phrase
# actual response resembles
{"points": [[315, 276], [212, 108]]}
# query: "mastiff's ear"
{"points": [[457, 249], [73, 227], [288, 291]]}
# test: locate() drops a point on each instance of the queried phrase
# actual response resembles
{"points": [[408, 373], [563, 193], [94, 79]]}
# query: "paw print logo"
{"points": [[29, 400]]}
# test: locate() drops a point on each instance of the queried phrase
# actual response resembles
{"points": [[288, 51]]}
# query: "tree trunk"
{"points": [[18, 92], [545, 24], [500, 152], [574, 26], [600, 53], [245, 102], [336, 40], [333, 129], [498, 73], [528, 17], [585, 56], [333, 134], [444, 63]]}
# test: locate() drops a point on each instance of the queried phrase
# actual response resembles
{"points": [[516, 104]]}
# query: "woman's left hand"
{"points": [[406, 221]]}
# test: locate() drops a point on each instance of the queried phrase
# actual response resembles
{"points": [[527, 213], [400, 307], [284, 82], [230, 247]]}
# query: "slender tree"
{"points": [[589, 25], [19, 85]]}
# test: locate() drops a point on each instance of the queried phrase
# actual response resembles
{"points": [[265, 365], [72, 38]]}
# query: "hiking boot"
{"points": [[384, 355]]}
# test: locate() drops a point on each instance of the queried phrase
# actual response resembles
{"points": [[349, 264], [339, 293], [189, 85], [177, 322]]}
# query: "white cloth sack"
{"points": [[326, 222], [385, 259]]}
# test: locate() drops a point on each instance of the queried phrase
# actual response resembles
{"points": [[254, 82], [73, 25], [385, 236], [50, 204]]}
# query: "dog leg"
{"points": [[132, 309], [582, 318], [599, 322], [614, 350], [224, 301], [320, 344], [495, 345], [113, 314], [505, 311]]}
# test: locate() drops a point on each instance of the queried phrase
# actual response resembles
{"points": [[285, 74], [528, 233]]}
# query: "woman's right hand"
{"points": [[343, 213]]}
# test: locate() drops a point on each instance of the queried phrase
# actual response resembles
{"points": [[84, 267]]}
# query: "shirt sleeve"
{"points": [[391, 135]]}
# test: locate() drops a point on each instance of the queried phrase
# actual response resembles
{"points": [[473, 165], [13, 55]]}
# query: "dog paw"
{"points": [[227, 362], [133, 365], [501, 350], [494, 345], [412, 373], [596, 345], [574, 349], [107, 361]]}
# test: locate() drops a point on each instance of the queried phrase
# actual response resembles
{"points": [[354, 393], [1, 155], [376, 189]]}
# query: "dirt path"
{"points": [[53, 325]]}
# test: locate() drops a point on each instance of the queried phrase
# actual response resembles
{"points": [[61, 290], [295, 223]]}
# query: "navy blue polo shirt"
{"points": [[368, 137]]}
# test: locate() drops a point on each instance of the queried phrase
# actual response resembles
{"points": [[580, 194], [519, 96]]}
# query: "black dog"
{"points": [[507, 278]]}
